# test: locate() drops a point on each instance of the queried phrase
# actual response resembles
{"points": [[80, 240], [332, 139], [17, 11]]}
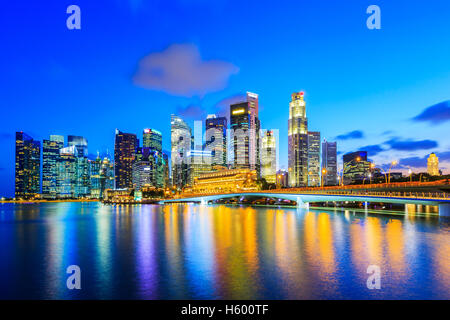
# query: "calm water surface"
{"points": [[218, 252]]}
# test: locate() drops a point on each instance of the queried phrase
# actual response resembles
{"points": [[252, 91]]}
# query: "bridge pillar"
{"points": [[444, 209], [301, 204]]}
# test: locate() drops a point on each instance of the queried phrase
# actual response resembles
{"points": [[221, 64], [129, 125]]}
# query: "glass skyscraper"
{"points": [[356, 167], [152, 139], [50, 156], [245, 135], [27, 166], [181, 143], [124, 154], [216, 139], [269, 157], [314, 178], [298, 141], [329, 163], [67, 173]]}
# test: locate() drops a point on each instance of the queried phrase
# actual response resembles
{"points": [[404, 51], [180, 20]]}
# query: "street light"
{"points": [[324, 172], [393, 163]]}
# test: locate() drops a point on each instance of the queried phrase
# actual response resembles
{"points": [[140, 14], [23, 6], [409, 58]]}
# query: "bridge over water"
{"points": [[304, 197]]}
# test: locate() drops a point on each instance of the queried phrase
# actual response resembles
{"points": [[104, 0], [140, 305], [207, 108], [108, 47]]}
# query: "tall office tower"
{"points": [[80, 143], [82, 188], [245, 137], [27, 167], [125, 145], [216, 139], [269, 157], [314, 178], [199, 162], [433, 165], [181, 143], [298, 141], [50, 155], [152, 139], [95, 167], [148, 170], [356, 167], [329, 163], [106, 176], [67, 172], [167, 180]]}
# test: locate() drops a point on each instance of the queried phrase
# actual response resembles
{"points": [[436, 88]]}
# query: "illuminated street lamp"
{"points": [[393, 163], [324, 172]]}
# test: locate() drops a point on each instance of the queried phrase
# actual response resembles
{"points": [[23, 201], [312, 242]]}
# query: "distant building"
{"points": [[167, 180], [67, 173], [199, 162], [245, 140], [314, 174], [356, 167], [95, 167], [50, 156], [225, 181], [27, 166], [152, 139], [298, 141], [282, 179], [80, 143], [433, 165], [216, 139], [124, 154], [269, 157], [148, 169], [181, 144], [329, 163]]}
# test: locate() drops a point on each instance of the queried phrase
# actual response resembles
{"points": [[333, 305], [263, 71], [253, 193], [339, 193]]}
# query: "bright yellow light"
{"points": [[238, 111]]}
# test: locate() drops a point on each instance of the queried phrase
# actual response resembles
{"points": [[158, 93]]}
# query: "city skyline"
{"points": [[401, 117]]}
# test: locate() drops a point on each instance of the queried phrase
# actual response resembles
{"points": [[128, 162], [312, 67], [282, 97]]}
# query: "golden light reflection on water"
{"points": [[231, 252]]}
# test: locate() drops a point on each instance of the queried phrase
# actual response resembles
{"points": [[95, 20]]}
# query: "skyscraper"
{"points": [[356, 167], [181, 143], [124, 153], [216, 139], [152, 139], [80, 143], [269, 157], [245, 135], [50, 156], [27, 166], [67, 172], [95, 176], [314, 178], [329, 163], [298, 141], [199, 162], [433, 165]]}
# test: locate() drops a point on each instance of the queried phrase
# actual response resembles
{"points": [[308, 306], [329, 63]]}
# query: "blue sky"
{"points": [[386, 90]]}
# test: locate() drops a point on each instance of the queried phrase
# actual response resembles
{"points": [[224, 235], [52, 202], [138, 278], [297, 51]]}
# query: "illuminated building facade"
{"points": [[50, 156], [245, 138], [181, 143], [269, 157], [67, 173], [80, 143], [148, 170], [329, 163], [226, 181], [124, 154], [216, 139], [433, 165], [356, 167], [282, 179], [152, 139], [298, 141], [95, 167], [167, 180], [314, 171], [27, 166], [199, 162]]}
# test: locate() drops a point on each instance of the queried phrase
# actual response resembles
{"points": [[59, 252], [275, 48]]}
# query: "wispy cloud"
{"points": [[356, 134], [411, 145], [191, 112], [372, 150], [180, 70], [436, 114]]}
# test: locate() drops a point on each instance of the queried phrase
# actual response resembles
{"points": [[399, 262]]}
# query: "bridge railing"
{"points": [[366, 193]]}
